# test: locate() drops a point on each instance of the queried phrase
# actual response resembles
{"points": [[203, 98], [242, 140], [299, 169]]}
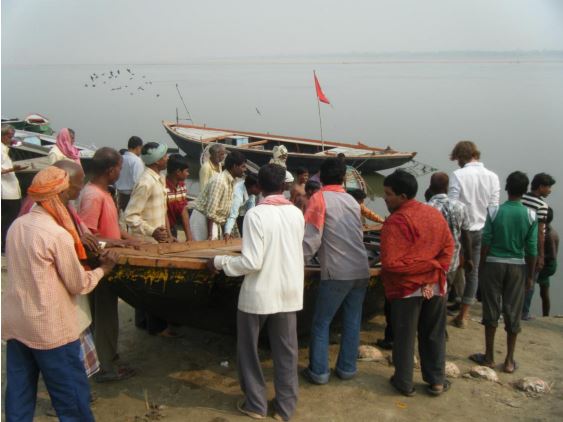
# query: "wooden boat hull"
{"points": [[381, 161], [198, 299]]}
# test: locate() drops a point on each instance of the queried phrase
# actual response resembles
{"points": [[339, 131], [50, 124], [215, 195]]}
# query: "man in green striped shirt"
{"points": [[509, 250]]}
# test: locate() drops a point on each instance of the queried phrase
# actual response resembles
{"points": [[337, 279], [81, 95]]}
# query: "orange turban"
{"points": [[45, 189]]}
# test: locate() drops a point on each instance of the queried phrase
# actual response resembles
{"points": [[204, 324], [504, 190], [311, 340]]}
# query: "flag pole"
{"points": [[320, 119]]}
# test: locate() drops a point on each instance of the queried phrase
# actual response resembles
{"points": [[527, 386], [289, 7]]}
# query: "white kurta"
{"points": [[271, 260]]}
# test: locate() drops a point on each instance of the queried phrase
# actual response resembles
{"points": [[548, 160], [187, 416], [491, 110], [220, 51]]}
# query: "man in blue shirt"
{"points": [[244, 198]]}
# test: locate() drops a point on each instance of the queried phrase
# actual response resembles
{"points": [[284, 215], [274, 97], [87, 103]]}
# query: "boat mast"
{"points": [[321, 124]]}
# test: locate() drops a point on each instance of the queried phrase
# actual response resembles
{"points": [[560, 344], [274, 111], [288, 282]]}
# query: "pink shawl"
{"points": [[64, 143]]}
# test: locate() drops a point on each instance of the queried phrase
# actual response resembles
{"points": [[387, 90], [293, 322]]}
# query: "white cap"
{"points": [[288, 177]]}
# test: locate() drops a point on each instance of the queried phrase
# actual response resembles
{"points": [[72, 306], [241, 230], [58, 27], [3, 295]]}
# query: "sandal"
{"points": [[445, 387], [480, 359], [119, 375], [253, 415], [459, 323], [405, 393]]}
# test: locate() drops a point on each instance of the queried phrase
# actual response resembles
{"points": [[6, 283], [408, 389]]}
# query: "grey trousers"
{"points": [[472, 278], [282, 333], [428, 317], [105, 321]]}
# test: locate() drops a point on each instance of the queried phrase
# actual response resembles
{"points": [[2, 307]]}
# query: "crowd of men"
{"points": [[60, 314]]}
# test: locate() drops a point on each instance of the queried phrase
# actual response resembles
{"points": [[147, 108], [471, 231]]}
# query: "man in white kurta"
{"points": [[272, 292]]}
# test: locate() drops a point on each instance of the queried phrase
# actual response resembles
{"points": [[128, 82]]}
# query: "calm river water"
{"points": [[512, 110]]}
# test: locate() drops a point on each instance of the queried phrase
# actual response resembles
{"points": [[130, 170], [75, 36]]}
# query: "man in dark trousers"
{"points": [[416, 251]]}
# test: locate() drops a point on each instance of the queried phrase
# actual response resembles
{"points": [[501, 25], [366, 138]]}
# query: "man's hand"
{"points": [[160, 234], [227, 237], [540, 263], [427, 291], [90, 243], [108, 259], [211, 266], [468, 265], [529, 283]]}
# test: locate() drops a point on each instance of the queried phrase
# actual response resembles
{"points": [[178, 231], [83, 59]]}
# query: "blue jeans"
{"points": [[64, 376], [333, 294]]}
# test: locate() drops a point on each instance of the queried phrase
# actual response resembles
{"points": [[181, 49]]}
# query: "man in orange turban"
{"points": [[39, 318]]}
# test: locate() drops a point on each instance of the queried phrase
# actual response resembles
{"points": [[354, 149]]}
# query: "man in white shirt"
{"points": [[477, 188], [11, 193], [271, 294], [131, 171]]}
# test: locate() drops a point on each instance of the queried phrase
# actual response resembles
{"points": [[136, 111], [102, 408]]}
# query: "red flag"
{"points": [[320, 94]]}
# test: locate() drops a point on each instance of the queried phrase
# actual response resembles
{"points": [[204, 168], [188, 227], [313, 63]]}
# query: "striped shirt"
{"points": [[44, 276], [455, 213], [216, 199], [177, 200], [146, 210], [535, 203]]}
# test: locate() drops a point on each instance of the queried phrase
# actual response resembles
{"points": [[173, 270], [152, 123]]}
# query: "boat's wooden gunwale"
{"points": [[171, 125]]}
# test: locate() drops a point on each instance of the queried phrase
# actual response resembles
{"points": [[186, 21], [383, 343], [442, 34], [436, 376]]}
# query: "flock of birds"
{"points": [[121, 80]]}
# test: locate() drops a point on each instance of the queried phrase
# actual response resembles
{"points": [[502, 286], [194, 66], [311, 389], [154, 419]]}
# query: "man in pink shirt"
{"points": [[39, 304], [98, 212]]}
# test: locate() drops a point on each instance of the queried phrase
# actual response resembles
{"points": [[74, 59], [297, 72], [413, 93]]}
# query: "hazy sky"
{"points": [[152, 31]]}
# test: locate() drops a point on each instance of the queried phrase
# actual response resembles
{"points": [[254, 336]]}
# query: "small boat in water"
{"points": [[172, 282], [308, 153], [32, 123], [32, 149]]}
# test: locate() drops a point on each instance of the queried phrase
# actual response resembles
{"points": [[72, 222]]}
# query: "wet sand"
{"points": [[187, 379]]}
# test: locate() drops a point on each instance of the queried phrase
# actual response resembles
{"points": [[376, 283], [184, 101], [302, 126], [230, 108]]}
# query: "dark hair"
{"points": [[402, 182], [134, 142], [104, 159], [542, 179], [439, 183], [466, 151], [123, 151], [271, 178], [549, 217], [176, 162], [301, 170], [250, 180], [357, 194], [148, 146], [517, 183], [235, 158], [312, 185], [333, 171]]}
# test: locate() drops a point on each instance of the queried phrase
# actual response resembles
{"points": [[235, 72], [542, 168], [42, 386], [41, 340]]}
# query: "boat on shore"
{"points": [[302, 152], [172, 282]]}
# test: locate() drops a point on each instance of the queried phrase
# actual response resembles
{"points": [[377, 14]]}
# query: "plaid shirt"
{"points": [[88, 354], [44, 276], [456, 215], [147, 207], [216, 199]]}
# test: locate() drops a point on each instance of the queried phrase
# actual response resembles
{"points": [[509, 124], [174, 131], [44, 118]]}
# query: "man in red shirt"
{"points": [[416, 250], [98, 212], [177, 172]]}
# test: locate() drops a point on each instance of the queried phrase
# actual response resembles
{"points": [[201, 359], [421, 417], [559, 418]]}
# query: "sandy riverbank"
{"points": [[186, 379]]}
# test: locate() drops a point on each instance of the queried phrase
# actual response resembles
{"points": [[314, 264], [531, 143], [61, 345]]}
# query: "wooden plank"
{"points": [[253, 144], [169, 248]]}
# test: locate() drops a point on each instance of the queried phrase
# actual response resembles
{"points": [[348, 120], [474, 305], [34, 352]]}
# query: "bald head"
{"points": [[76, 177], [439, 183]]}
